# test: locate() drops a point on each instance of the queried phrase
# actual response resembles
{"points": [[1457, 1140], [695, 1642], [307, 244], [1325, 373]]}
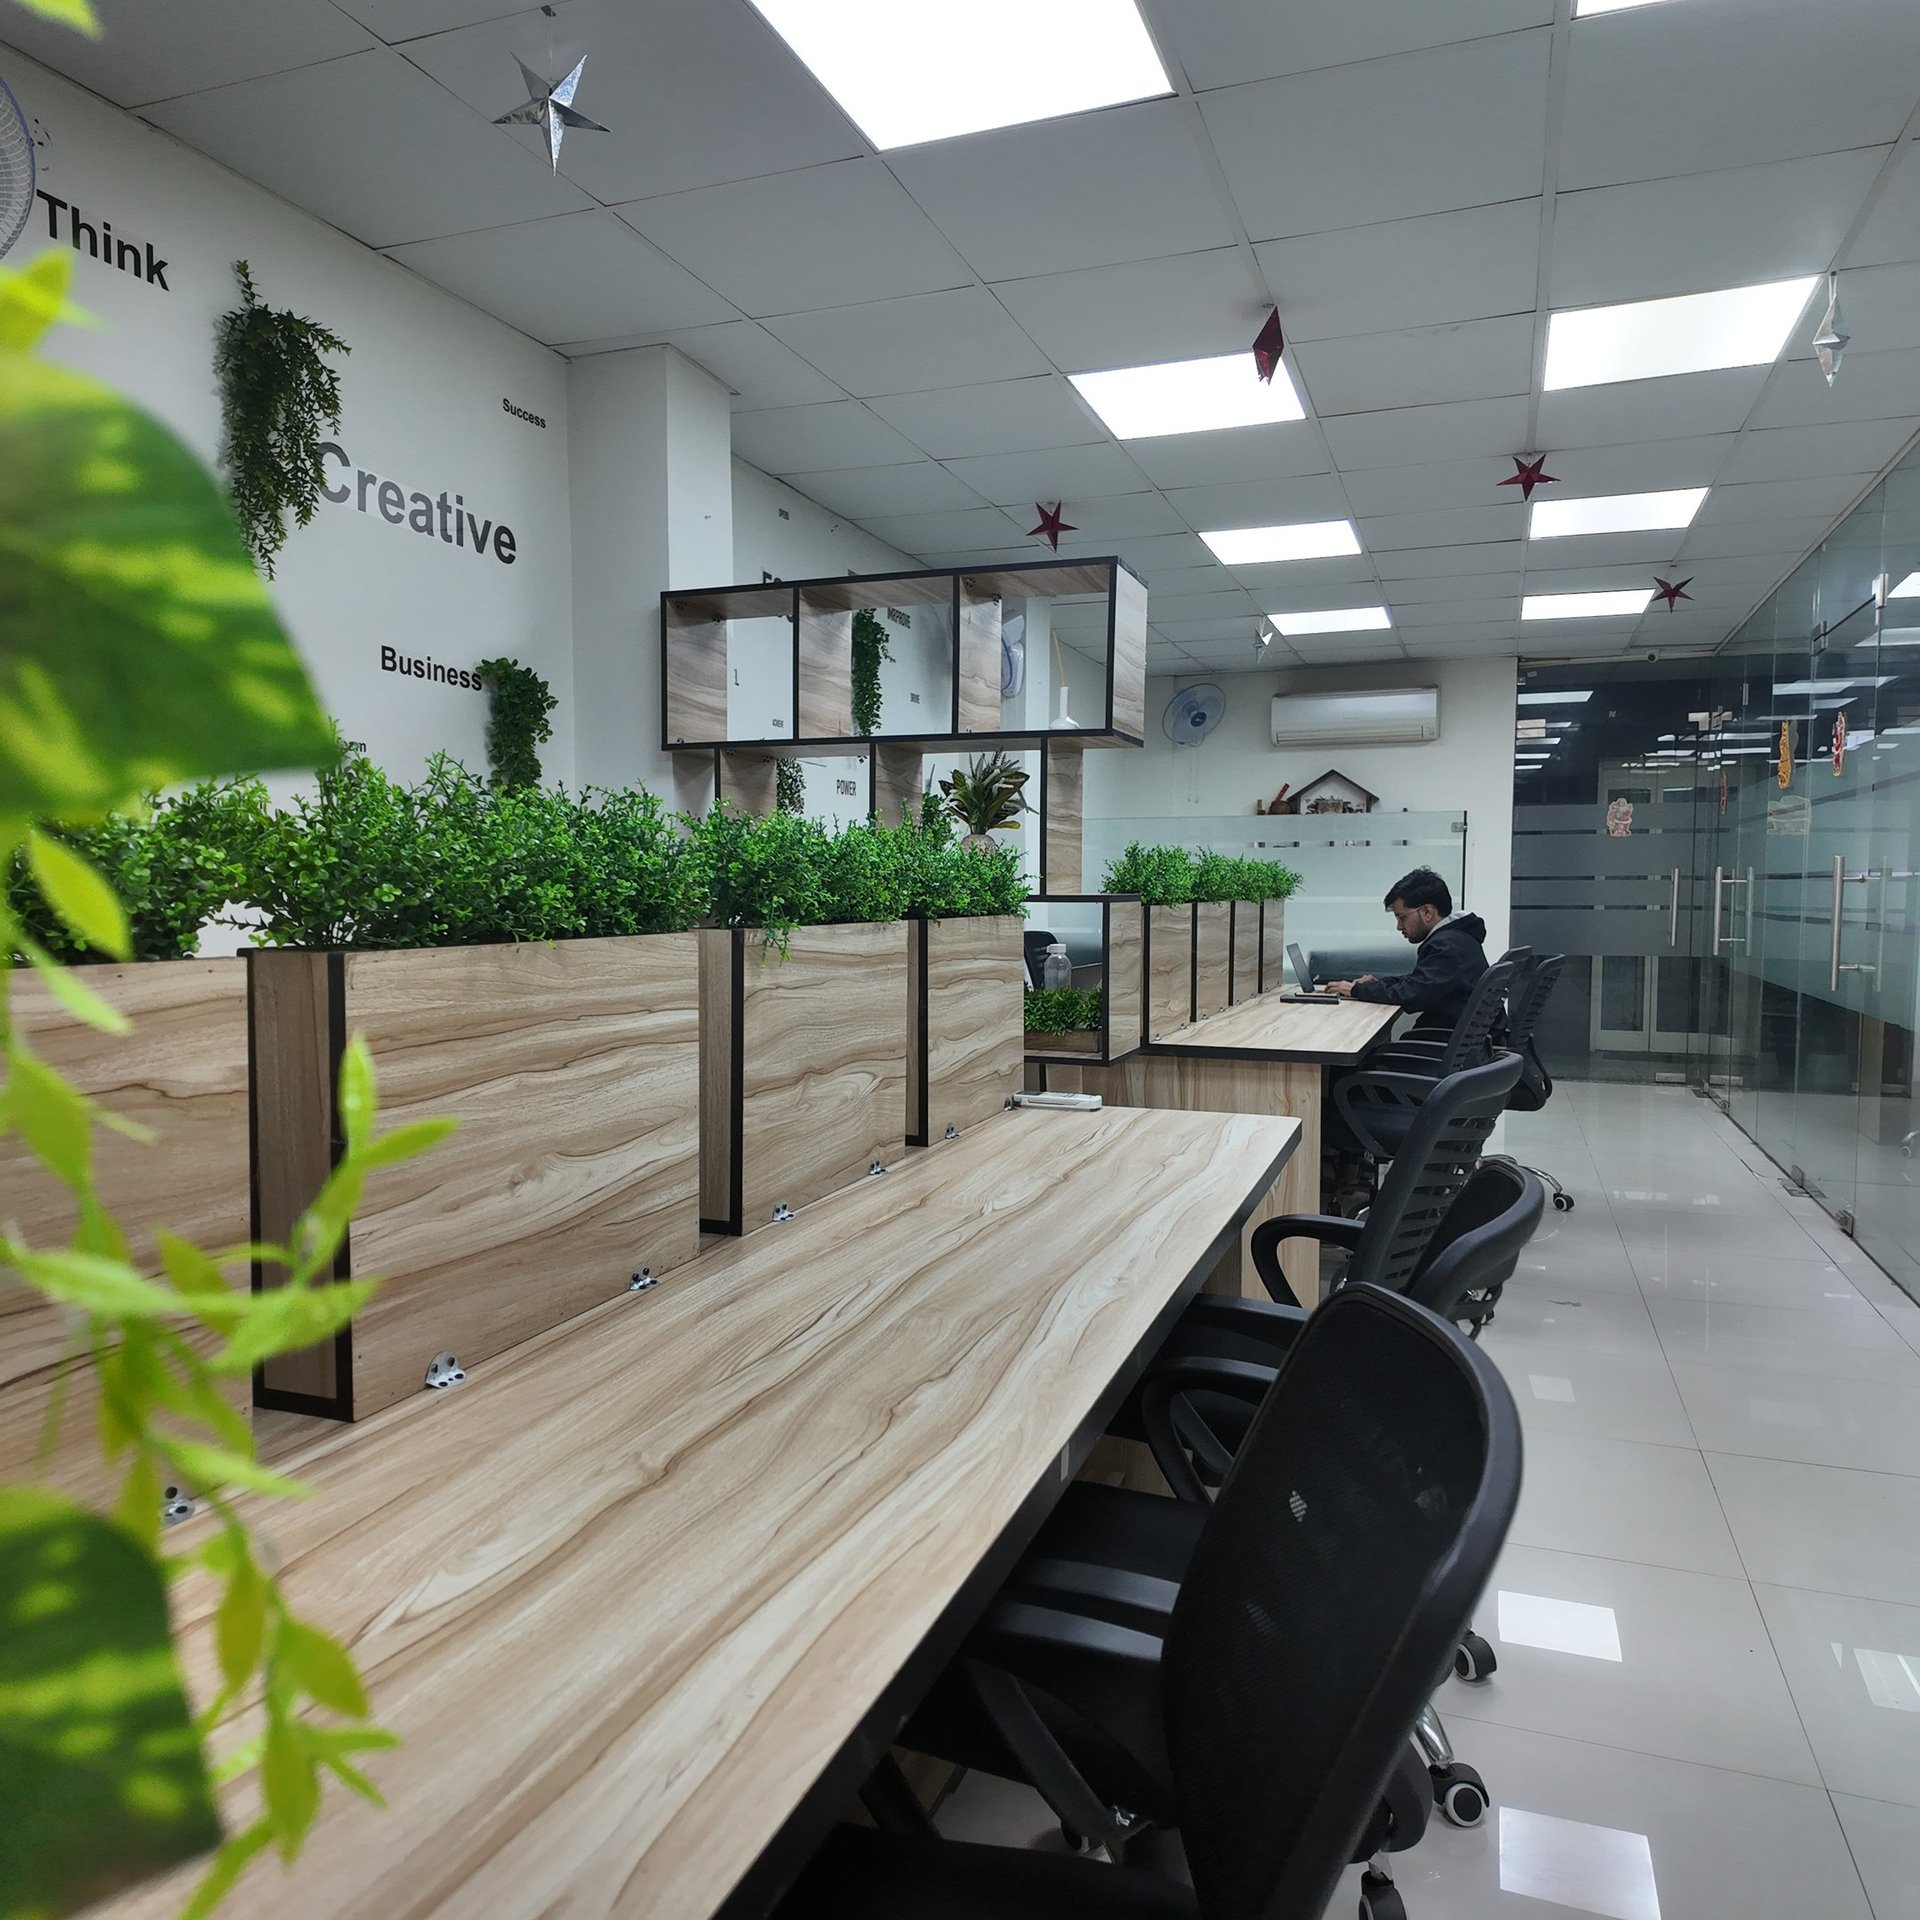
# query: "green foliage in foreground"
{"points": [[1063, 1010], [1171, 876]]}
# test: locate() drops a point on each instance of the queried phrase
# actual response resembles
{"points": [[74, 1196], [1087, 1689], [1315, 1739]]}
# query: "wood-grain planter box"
{"points": [[574, 1071], [1273, 946], [1169, 970], [1243, 979], [803, 1066], [1123, 933], [966, 1011], [182, 1073], [1212, 957]]}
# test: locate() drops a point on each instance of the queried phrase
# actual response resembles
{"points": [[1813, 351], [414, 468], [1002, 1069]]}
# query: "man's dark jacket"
{"points": [[1447, 966]]}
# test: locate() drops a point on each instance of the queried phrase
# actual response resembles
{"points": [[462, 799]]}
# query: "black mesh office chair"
{"points": [[1379, 1102], [1320, 1608], [1526, 1002]]}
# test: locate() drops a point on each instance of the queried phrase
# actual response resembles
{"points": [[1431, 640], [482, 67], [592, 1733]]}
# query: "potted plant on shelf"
{"points": [[1064, 1020], [1163, 878], [986, 796]]}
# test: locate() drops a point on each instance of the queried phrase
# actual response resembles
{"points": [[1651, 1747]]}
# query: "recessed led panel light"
{"points": [[1188, 396], [1306, 540], [907, 74], [1585, 606], [1695, 333], [1908, 589], [1581, 8], [1554, 699], [1333, 620], [1615, 513], [1830, 686]]}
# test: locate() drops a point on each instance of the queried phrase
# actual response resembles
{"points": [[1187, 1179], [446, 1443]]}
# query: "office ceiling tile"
{"points": [[1881, 306], [1793, 453], [1281, 583], [1388, 652], [1872, 386], [425, 168], [1674, 90], [693, 92], [815, 439], [1168, 610], [1385, 140], [1128, 184], [154, 49], [1420, 366], [1153, 556], [1459, 586], [1001, 416], [1413, 616], [1455, 430], [1407, 273], [1788, 537], [396, 21], [1640, 550], [577, 277], [1282, 450], [1448, 562], [1121, 516], [1433, 484], [1049, 473], [1163, 658], [1685, 404], [831, 236], [968, 531], [1261, 503], [758, 369], [1469, 636], [1573, 575], [1891, 232], [1229, 629], [901, 346], [1189, 580], [1639, 466], [1300, 597], [1455, 527], [1181, 307], [1829, 494], [1232, 41], [923, 486]]}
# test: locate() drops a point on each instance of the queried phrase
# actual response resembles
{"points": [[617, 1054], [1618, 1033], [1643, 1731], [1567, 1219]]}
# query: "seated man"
{"points": [[1450, 959]]}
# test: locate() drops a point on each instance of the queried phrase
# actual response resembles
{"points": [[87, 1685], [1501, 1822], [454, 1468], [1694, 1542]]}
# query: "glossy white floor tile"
{"points": [[1707, 1615]]}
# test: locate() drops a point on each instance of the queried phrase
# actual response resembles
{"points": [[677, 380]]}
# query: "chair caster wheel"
{"points": [[1460, 1794], [1380, 1898], [1474, 1659], [1563, 1202]]}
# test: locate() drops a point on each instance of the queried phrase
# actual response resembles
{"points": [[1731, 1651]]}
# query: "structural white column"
{"points": [[650, 457]]}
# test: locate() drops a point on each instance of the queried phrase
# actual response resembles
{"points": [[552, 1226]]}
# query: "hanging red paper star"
{"points": [[1528, 474], [1672, 590], [1267, 345], [1051, 523]]}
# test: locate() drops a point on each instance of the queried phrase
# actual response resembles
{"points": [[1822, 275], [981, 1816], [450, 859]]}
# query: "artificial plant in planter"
{"points": [[519, 701], [1064, 1019], [986, 796], [1163, 878], [140, 650], [870, 650], [519, 957], [279, 400]]}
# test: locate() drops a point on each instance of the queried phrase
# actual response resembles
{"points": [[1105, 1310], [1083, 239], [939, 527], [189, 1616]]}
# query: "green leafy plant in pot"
{"points": [[986, 796]]}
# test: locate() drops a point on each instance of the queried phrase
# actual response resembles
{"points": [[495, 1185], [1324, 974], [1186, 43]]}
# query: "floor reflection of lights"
{"points": [[1596, 1870], [1559, 1626]]}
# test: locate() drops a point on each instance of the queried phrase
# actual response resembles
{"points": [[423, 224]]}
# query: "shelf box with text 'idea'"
{"points": [[181, 1073], [574, 1071]]}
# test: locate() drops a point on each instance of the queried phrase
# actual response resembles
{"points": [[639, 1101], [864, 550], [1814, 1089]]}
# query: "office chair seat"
{"points": [[863, 1875]]}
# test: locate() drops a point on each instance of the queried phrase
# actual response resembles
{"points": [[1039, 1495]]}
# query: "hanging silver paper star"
{"points": [[549, 106], [1831, 341]]}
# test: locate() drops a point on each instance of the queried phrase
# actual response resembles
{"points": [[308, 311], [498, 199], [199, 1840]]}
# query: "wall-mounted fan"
{"points": [[17, 169], [1193, 713], [1013, 654]]}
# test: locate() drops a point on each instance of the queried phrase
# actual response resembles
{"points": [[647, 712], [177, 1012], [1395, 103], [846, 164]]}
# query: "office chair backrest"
{"points": [[1435, 1161], [1479, 1242], [1526, 1001], [1472, 1037], [1335, 1575]]}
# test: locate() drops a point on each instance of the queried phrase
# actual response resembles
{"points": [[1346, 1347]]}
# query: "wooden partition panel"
{"points": [[1244, 983], [804, 1069], [1062, 788], [1273, 945], [823, 672], [1212, 957], [573, 1070], [968, 1006], [894, 776], [693, 674], [181, 1072], [977, 669], [1126, 976], [1169, 970], [749, 780], [1129, 654]]}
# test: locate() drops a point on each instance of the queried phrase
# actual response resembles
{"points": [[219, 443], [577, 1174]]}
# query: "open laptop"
{"points": [[1298, 961]]}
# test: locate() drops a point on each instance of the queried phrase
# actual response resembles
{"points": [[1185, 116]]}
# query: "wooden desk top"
{"points": [[630, 1590], [1336, 1033]]}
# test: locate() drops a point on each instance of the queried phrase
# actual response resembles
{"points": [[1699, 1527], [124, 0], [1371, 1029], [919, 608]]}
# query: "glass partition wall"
{"points": [[1751, 924]]}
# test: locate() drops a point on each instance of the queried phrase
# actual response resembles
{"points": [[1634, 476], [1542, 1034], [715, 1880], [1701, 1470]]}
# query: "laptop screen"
{"points": [[1299, 962]]}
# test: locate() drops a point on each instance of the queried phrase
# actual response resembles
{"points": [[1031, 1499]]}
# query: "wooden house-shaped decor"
{"points": [[1333, 792]]}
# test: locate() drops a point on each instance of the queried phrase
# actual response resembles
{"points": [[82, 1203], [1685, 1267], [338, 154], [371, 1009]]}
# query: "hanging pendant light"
{"points": [[1831, 341]]}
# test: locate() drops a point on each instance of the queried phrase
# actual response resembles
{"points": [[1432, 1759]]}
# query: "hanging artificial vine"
{"points": [[869, 649], [789, 787], [279, 400], [517, 722]]}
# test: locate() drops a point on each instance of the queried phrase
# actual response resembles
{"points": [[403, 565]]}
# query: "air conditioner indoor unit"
{"points": [[1377, 717]]}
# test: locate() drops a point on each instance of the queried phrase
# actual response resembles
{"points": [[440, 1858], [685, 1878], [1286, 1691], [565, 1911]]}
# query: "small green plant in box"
{"points": [[1161, 876], [987, 794], [1063, 1010]]}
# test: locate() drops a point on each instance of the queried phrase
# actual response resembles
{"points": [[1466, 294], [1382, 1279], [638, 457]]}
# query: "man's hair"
{"points": [[1421, 888]]}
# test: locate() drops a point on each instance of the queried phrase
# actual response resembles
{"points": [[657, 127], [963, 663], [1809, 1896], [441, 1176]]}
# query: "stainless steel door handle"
{"points": [[1841, 878], [1719, 888], [1673, 912]]}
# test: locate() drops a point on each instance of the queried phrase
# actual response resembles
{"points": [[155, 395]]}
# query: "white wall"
{"points": [[422, 389], [1470, 766]]}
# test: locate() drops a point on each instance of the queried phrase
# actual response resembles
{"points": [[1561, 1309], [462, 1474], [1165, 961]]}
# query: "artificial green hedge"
{"points": [[1063, 1010], [1171, 876], [366, 861]]}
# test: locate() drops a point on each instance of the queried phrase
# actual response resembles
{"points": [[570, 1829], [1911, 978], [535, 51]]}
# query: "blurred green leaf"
{"points": [[65, 986], [101, 1777], [319, 1663], [76, 892], [212, 1468], [285, 1319], [33, 297], [357, 1100], [404, 1142], [142, 649], [228, 1865], [240, 1626], [77, 14], [290, 1782], [93, 1283], [51, 1117]]}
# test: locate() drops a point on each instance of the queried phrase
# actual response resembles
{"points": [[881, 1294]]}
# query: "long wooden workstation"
{"points": [[650, 1594]]}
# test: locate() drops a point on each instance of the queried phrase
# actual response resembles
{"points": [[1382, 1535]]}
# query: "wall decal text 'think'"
{"points": [[98, 242]]}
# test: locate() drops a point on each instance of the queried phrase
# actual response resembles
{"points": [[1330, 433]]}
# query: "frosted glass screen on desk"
{"points": [[1346, 862]]}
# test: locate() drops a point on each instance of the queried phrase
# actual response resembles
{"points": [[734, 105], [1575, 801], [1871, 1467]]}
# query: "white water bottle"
{"points": [[1056, 970]]}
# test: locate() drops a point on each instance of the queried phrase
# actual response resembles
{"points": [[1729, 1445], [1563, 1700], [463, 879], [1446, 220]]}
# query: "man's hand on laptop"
{"points": [[1344, 988]]}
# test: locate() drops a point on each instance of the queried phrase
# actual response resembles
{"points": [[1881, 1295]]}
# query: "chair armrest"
{"points": [[1327, 1228], [1240, 1379], [1023, 1636], [1115, 1595]]}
